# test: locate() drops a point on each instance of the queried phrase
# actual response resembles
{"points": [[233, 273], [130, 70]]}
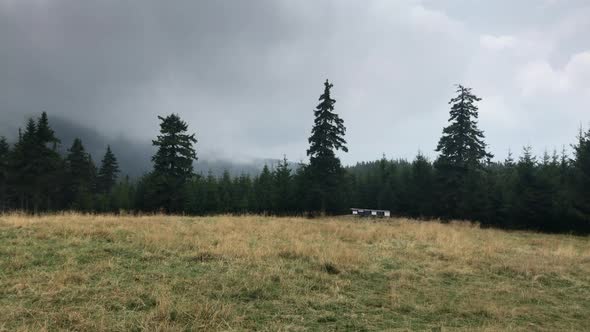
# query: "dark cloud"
{"points": [[246, 74]]}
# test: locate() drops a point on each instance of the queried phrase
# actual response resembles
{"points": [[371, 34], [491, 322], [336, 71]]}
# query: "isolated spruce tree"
{"points": [[108, 172], [462, 144], [173, 164], [462, 155], [325, 170]]}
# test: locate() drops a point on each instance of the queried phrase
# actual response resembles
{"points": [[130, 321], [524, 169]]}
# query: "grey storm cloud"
{"points": [[246, 75]]}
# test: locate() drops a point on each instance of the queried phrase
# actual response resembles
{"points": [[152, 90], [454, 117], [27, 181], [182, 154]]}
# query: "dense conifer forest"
{"points": [[548, 193]]}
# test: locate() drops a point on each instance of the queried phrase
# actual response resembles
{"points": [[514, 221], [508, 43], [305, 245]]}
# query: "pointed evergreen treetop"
{"points": [[328, 132], [509, 161], [44, 132], [175, 153], [30, 134], [77, 160], [462, 142], [283, 171], [108, 171]]}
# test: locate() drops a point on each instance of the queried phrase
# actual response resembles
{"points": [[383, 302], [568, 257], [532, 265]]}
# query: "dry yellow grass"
{"points": [[166, 273]]}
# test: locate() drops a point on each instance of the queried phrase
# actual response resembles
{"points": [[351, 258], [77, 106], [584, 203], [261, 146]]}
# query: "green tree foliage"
{"points": [[50, 166], [325, 170], [549, 193], [211, 197], [243, 194], [581, 180], [80, 178], [226, 197], [461, 160], [173, 165], [122, 196], [107, 173], [283, 195], [421, 188], [25, 168], [263, 191]]}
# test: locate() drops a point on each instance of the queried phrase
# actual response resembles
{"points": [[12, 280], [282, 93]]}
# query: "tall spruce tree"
{"points": [[24, 167], [173, 163], [108, 172], [325, 170], [462, 155], [45, 133], [49, 161]]}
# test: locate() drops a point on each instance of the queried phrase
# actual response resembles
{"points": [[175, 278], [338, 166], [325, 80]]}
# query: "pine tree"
{"points": [[243, 200], [226, 193], [24, 167], [421, 187], [581, 181], [549, 196], [45, 134], [263, 189], [461, 160], [50, 162], [80, 177], [173, 164], [108, 172], [324, 170], [526, 212], [283, 188], [175, 154], [462, 144]]}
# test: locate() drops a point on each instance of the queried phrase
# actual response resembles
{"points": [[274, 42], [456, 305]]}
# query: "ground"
{"points": [[165, 273]]}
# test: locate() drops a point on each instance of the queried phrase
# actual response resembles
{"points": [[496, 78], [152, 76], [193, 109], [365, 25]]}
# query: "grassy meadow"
{"points": [[165, 273]]}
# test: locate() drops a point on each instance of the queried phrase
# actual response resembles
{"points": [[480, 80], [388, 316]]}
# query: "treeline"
{"points": [[34, 177], [549, 193]]}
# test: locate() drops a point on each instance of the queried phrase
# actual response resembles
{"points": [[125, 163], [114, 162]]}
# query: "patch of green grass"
{"points": [[253, 273]]}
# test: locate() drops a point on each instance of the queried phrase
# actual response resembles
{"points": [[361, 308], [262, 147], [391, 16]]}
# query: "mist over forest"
{"points": [[134, 155]]}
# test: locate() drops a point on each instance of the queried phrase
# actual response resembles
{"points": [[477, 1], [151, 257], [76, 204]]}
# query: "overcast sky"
{"points": [[246, 75]]}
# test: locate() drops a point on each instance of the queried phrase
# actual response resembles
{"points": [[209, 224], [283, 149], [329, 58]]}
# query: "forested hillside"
{"points": [[41, 173]]}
